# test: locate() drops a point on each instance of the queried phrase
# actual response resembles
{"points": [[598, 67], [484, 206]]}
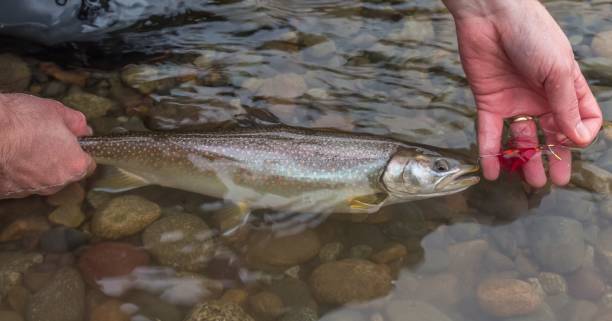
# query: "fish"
{"points": [[280, 168]]}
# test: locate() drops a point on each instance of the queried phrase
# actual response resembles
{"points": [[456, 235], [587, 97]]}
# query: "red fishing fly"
{"points": [[513, 158]]}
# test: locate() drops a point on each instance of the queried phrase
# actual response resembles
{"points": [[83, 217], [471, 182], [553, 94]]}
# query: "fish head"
{"points": [[419, 172]]}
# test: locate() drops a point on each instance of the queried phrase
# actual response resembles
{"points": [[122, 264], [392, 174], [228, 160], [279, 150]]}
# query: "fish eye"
{"points": [[441, 165]]}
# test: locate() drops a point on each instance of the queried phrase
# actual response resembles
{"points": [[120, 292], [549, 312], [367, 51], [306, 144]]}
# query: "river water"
{"points": [[499, 251]]}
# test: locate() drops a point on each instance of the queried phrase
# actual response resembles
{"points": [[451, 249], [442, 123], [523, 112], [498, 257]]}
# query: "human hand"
{"points": [[39, 152], [518, 61]]}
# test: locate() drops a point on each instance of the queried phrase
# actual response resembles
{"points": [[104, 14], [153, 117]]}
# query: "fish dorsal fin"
{"points": [[116, 180], [367, 202]]}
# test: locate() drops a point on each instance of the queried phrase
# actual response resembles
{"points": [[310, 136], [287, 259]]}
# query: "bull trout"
{"points": [[281, 168]]}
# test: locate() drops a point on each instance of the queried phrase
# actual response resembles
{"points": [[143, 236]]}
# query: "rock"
{"points": [[237, 296], [61, 239], [435, 261], [501, 297], [22, 226], [71, 194], [391, 253], [300, 314], [345, 315], [330, 252], [218, 311], [182, 241], [124, 216], [495, 261], [266, 305], [544, 313], [408, 310], [586, 284], [509, 238], [62, 299], [360, 251], [557, 243], [109, 311], [525, 266], [68, 215], [148, 79], [602, 44], [15, 74], [77, 78], [151, 307], [591, 177], [35, 280], [98, 199], [552, 283], [90, 105], [54, 89], [12, 267], [110, 259], [17, 298], [606, 207], [603, 252], [10, 316], [266, 249], [294, 293], [285, 86], [462, 232], [579, 311], [350, 280], [442, 290], [465, 261], [414, 30]]}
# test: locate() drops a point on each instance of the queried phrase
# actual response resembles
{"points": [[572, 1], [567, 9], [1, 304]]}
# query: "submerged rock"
{"points": [[557, 243], [183, 241], [266, 305], [15, 75], [408, 310], [218, 311], [110, 259], [10, 316], [90, 105], [266, 249], [69, 215], [124, 216], [502, 297], [602, 44], [285, 86], [350, 280], [109, 311], [591, 177], [61, 299], [12, 267]]}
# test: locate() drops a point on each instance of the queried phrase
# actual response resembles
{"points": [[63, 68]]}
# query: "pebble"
{"points": [[525, 266], [462, 232], [436, 260], [557, 243], [265, 305], [62, 298], [98, 199], [350, 280], [12, 267], [586, 284], [151, 307], [54, 89], [509, 238], [110, 259], [330, 252], [391, 253], [69, 215], [442, 290], [414, 30], [90, 105], [76, 78], [15, 74], [218, 311], [413, 310], [295, 293], [602, 44], [266, 249], [124, 216], [17, 298], [579, 310], [603, 252], [35, 280], [496, 261], [552, 283], [109, 311], [591, 177], [300, 314], [237, 296], [502, 297], [544, 313], [183, 241], [28, 225], [61, 239], [465, 261], [284, 86], [10, 316], [71, 194], [146, 79], [360, 251]]}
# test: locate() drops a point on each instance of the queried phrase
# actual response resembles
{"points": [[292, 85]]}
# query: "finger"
{"points": [[525, 135], [490, 128], [75, 121], [590, 111], [560, 168], [561, 94]]}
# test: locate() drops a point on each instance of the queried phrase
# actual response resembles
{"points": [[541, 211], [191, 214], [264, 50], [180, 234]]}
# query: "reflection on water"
{"points": [[498, 251]]}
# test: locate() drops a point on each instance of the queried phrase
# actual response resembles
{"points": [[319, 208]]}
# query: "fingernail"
{"points": [[89, 130], [583, 132]]}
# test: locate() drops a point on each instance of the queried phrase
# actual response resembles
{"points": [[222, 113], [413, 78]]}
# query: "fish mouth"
{"points": [[465, 177]]}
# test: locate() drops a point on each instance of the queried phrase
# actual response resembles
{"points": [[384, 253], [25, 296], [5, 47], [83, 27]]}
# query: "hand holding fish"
{"points": [[39, 152], [518, 62]]}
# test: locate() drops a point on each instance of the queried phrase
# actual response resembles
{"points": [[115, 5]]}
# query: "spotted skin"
{"points": [[279, 168]]}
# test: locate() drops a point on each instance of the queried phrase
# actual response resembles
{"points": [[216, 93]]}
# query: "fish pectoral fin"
{"points": [[367, 202], [114, 180], [231, 217]]}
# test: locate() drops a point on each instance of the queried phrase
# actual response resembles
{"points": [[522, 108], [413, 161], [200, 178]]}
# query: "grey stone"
{"points": [[300, 314], [218, 311], [61, 299], [557, 243], [12, 267], [90, 105], [408, 310]]}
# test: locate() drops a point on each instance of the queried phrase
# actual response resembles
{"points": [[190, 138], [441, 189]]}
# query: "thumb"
{"points": [[561, 94]]}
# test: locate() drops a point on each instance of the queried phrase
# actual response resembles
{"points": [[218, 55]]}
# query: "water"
{"points": [[382, 67]]}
